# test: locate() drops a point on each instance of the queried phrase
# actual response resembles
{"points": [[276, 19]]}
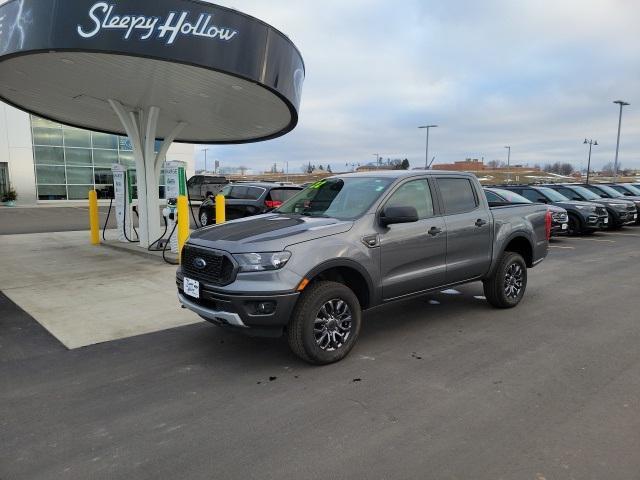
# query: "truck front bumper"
{"points": [[254, 314]]}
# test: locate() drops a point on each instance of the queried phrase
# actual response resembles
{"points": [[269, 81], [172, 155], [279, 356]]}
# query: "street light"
{"points": [[205, 159], [615, 164], [591, 143], [508, 147], [426, 157]]}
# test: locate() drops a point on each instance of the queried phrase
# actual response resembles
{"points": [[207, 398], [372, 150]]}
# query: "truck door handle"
{"points": [[480, 223], [435, 231]]}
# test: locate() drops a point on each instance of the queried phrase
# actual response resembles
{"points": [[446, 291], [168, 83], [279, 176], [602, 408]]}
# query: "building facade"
{"points": [[46, 162]]}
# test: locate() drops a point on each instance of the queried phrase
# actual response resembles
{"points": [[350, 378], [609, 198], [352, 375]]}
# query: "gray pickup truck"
{"points": [[353, 242]]}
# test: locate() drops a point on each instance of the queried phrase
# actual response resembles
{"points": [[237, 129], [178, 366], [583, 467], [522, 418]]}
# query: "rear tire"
{"points": [[506, 287], [325, 323]]}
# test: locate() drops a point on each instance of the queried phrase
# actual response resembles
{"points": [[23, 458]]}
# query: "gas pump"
{"points": [[123, 199], [175, 185]]}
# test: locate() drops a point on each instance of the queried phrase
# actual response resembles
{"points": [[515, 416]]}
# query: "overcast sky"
{"points": [[539, 75]]}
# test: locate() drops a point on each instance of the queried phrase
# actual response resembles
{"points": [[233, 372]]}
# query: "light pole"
{"points": [[508, 147], [205, 159], [615, 164], [377, 155], [426, 157], [591, 143]]}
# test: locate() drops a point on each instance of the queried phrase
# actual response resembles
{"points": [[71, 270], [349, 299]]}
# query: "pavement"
{"points": [[84, 294], [441, 387]]}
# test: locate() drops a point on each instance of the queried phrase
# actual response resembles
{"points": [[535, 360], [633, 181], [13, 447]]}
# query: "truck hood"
{"points": [[271, 232]]}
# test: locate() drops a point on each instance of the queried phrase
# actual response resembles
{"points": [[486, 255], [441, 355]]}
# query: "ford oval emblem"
{"points": [[200, 263]]}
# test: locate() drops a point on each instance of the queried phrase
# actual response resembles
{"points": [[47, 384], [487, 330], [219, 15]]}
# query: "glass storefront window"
{"points": [[79, 192], [126, 159], [104, 140], [79, 175], [47, 174], [48, 155], [125, 144], [41, 122], [47, 136], [74, 137], [103, 176], [52, 192], [78, 156], [105, 158], [70, 161]]}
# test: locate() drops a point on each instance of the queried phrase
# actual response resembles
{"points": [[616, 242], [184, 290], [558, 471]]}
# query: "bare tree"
{"points": [[243, 170]]}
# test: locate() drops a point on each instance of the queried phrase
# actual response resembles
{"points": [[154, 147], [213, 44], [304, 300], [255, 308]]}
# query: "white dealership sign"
{"points": [[103, 17]]}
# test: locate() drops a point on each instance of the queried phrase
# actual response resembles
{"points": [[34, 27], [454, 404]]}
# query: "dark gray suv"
{"points": [[584, 217], [621, 212]]}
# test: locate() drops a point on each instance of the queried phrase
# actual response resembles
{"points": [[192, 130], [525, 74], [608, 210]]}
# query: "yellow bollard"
{"points": [[94, 220], [183, 222], [221, 215]]}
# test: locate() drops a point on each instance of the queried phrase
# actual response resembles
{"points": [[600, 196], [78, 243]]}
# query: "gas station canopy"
{"points": [[176, 70], [229, 77]]}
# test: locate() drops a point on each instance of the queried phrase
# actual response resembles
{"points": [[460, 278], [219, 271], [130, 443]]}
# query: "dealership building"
{"points": [[46, 162]]}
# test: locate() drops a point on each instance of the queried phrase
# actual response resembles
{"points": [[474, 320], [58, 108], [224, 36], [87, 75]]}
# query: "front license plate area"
{"points": [[191, 287]]}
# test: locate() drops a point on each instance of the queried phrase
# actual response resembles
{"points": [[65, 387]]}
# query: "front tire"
{"points": [[507, 285], [575, 226], [325, 323]]}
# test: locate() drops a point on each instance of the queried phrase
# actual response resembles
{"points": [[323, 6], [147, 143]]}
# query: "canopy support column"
{"points": [[141, 127]]}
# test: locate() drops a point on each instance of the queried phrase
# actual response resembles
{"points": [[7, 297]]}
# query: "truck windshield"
{"points": [[341, 198], [552, 194]]}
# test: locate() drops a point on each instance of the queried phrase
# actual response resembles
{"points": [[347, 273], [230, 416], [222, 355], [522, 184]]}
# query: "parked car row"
{"points": [[589, 207]]}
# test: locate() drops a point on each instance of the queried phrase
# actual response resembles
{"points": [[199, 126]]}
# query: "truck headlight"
{"points": [[259, 262]]}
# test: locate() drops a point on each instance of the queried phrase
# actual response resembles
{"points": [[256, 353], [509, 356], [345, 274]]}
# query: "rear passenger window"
{"points": [[415, 194], [253, 193], [532, 195], [278, 196], [492, 197], [458, 195], [570, 194]]}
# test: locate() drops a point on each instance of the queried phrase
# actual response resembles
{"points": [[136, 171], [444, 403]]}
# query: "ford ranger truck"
{"points": [[350, 243]]}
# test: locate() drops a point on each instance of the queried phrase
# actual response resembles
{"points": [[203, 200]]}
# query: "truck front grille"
{"points": [[208, 266], [560, 217]]}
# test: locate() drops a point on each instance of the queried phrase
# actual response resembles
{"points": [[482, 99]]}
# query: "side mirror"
{"points": [[393, 215], [628, 194]]}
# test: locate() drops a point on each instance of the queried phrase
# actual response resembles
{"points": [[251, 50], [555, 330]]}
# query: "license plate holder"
{"points": [[191, 287]]}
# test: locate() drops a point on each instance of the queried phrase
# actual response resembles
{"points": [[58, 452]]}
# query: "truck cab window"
{"points": [[415, 194], [458, 195]]}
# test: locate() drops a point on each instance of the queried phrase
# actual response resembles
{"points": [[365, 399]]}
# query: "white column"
{"points": [[141, 127]]}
